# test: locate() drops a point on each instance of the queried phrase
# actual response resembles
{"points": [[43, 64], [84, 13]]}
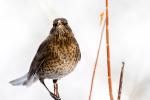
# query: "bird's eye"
{"points": [[54, 24], [65, 23]]}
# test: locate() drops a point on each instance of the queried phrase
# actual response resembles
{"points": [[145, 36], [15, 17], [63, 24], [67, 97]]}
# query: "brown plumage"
{"points": [[56, 57]]}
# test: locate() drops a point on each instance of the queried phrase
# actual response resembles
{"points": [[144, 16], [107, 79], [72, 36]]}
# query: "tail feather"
{"points": [[23, 81], [19, 81]]}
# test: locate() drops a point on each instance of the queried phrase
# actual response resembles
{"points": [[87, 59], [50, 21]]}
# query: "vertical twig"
{"points": [[108, 53], [121, 81], [95, 66]]}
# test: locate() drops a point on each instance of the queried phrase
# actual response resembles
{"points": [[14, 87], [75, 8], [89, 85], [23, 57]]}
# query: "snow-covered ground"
{"points": [[24, 24]]}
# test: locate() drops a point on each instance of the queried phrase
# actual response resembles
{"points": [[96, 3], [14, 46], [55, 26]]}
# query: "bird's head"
{"points": [[60, 26]]}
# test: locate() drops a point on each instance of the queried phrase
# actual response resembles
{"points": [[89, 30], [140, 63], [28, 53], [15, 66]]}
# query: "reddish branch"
{"points": [[95, 66], [108, 54]]}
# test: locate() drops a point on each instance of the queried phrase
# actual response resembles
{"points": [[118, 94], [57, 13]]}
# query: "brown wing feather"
{"points": [[38, 59]]}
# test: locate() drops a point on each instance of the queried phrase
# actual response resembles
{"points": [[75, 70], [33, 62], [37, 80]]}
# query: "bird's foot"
{"points": [[55, 97]]}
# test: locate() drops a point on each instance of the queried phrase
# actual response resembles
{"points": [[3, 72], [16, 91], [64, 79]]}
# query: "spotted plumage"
{"points": [[56, 57]]}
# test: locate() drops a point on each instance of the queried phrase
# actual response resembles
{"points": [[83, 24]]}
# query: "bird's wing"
{"points": [[38, 59]]}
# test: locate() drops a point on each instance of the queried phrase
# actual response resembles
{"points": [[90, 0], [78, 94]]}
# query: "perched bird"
{"points": [[56, 57]]}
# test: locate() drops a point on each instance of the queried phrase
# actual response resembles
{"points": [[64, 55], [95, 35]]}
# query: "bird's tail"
{"points": [[23, 81]]}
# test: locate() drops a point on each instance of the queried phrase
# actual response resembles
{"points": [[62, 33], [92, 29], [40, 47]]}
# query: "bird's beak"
{"points": [[60, 26], [59, 23]]}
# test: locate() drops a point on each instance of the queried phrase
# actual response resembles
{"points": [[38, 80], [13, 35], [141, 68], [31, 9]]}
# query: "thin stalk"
{"points": [[96, 62], [121, 81], [108, 53]]}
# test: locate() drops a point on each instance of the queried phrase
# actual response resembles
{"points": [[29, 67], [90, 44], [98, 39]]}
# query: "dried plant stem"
{"points": [[121, 81], [108, 54], [95, 66]]}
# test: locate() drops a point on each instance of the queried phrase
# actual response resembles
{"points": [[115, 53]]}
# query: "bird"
{"points": [[56, 57]]}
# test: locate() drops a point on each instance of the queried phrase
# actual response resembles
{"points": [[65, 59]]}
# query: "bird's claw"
{"points": [[55, 97]]}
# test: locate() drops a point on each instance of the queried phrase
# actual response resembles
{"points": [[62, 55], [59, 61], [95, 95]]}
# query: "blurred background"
{"points": [[24, 24]]}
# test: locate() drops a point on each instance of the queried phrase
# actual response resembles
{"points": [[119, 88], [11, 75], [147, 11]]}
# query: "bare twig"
{"points": [[95, 66], [108, 53], [121, 81]]}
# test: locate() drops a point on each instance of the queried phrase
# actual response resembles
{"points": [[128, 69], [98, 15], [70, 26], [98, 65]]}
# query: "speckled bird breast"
{"points": [[62, 58]]}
